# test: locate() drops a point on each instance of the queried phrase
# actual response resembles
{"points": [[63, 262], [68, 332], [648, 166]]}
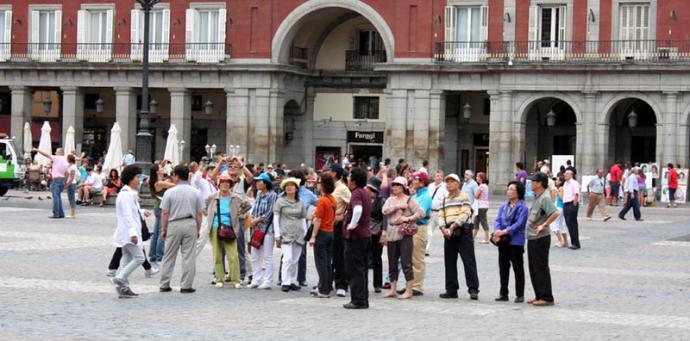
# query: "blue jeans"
{"points": [[56, 187], [157, 247], [71, 195], [631, 203]]}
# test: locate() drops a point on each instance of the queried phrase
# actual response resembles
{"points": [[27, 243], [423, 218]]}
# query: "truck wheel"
{"points": [[3, 190]]}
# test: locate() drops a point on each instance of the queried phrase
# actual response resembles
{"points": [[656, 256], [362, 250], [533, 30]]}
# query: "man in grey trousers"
{"points": [[180, 224]]}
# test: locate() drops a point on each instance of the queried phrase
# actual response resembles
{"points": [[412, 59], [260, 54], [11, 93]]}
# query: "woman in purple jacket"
{"points": [[511, 220]]}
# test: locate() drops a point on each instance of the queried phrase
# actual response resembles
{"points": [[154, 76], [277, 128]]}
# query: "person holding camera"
{"points": [[456, 227]]}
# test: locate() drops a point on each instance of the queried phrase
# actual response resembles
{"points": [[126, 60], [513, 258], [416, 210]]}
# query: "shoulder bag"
{"points": [[408, 228], [225, 232], [258, 236]]}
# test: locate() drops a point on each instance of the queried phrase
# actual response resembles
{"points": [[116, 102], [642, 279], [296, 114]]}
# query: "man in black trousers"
{"points": [[358, 239]]}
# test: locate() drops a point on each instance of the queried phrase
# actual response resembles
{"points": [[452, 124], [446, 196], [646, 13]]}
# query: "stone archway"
{"points": [[283, 37], [632, 142]]}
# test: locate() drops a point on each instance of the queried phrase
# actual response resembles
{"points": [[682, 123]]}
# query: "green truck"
{"points": [[11, 165]]}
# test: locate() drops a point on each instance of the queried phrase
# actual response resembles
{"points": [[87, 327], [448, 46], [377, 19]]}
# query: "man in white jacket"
{"points": [[128, 233]]}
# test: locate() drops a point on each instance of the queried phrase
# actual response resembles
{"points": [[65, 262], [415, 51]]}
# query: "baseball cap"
{"points": [[452, 176], [421, 176], [540, 177], [375, 184]]}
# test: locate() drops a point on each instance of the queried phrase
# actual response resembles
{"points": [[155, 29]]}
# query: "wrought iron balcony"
{"points": [[201, 53], [363, 61], [565, 52]]}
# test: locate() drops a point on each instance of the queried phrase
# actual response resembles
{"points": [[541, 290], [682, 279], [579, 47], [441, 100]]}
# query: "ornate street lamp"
{"points": [[210, 150], [144, 137], [100, 104], [208, 107], [234, 150], [153, 107], [47, 105], [632, 119], [467, 111], [550, 118]]}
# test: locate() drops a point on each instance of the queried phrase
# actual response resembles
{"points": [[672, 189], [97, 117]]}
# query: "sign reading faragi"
{"points": [[365, 137]]}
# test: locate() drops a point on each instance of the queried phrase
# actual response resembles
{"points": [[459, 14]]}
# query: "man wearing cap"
{"points": [[456, 227], [438, 191], [180, 225], [419, 182], [541, 214], [342, 199]]}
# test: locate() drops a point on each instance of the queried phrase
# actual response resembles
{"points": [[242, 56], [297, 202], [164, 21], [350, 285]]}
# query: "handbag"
{"points": [[503, 241], [225, 232], [408, 228], [258, 236], [145, 233], [457, 233]]}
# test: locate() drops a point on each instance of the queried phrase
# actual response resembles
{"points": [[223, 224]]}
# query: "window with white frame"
{"points": [[94, 34], [159, 34], [205, 34], [46, 34], [633, 22], [5, 33], [466, 32], [547, 31]]}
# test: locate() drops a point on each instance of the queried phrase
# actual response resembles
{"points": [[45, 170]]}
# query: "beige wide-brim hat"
{"points": [[289, 180]]}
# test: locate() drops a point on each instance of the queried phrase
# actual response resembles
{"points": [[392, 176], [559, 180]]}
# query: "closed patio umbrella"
{"points": [[113, 159], [172, 148], [28, 140], [69, 141], [44, 144]]}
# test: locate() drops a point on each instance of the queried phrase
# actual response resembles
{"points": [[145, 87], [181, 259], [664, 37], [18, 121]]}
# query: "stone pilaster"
{"points": [[73, 114], [181, 117], [586, 139], [126, 116], [437, 113], [670, 148], [21, 113], [237, 119], [396, 124], [501, 134]]}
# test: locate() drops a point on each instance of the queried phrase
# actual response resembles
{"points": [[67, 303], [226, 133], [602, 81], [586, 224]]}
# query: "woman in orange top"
{"points": [[322, 236]]}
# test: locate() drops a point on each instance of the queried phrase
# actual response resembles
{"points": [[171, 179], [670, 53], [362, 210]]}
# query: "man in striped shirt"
{"points": [[454, 222]]}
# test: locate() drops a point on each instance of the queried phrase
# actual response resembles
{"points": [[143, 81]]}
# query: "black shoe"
{"points": [[573, 247], [474, 295], [401, 291], [303, 284], [355, 306], [386, 286], [285, 288], [165, 289], [295, 287], [377, 290], [621, 218], [188, 291], [640, 219], [417, 293], [501, 299], [448, 294], [125, 293], [519, 299], [427, 254], [130, 292]]}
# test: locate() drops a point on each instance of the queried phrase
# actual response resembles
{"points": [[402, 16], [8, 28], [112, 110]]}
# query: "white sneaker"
{"points": [[111, 273], [219, 285], [265, 286], [239, 286], [151, 272], [340, 293]]}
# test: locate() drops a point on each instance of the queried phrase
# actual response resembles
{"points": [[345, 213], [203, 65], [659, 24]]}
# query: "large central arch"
{"points": [[283, 37]]}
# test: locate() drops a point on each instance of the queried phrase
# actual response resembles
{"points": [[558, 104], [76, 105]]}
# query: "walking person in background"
{"points": [[571, 200], [438, 192], [180, 225], [75, 175], [322, 236], [482, 197], [224, 210], [541, 214], [157, 185], [128, 233], [616, 176], [596, 193], [357, 237], [672, 185], [456, 226], [510, 222], [632, 187], [290, 226], [262, 218], [60, 179]]}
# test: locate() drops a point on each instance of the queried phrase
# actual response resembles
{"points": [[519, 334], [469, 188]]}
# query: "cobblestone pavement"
{"points": [[631, 280]]}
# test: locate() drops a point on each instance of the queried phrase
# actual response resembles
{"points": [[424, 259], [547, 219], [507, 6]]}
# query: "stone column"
{"points": [[181, 117], [126, 116], [586, 137], [273, 100], [670, 142], [396, 124], [500, 139], [73, 114], [237, 119], [418, 123], [308, 129], [21, 113], [437, 115]]}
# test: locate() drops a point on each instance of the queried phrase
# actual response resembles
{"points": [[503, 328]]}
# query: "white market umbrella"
{"points": [[69, 141], [28, 140], [44, 145], [172, 148], [113, 160]]}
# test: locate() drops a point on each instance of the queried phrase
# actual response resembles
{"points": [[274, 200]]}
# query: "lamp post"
{"points": [[550, 118], [144, 137], [632, 119]]}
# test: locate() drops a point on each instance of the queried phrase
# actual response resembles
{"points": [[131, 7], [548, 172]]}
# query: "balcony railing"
{"points": [[202, 53], [576, 52], [363, 61]]}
